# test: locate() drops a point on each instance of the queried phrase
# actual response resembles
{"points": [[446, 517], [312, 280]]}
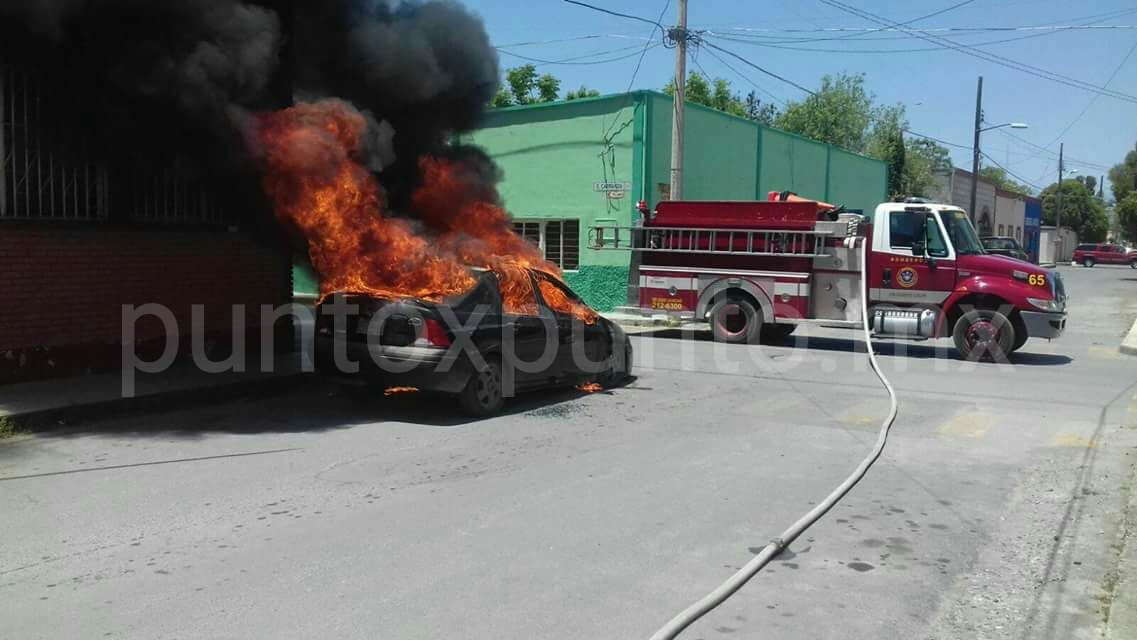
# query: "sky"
{"points": [[937, 87]]}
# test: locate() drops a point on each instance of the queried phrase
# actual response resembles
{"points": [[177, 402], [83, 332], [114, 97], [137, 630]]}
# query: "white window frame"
{"points": [[542, 225]]}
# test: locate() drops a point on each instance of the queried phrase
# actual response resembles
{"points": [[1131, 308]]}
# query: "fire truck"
{"points": [[757, 270]]}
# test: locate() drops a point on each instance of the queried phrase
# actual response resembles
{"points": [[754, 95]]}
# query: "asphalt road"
{"points": [[997, 510]]}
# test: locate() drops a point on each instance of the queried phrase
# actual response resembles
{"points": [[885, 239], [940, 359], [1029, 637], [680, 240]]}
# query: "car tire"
{"points": [[736, 321], [777, 333], [613, 376], [1020, 339], [984, 334], [1088, 262], [1133, 264], [483, 394]]}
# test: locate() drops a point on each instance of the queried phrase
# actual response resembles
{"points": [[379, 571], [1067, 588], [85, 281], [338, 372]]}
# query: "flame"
{"points": [[315, 176], [589, 387], [390, 391]]}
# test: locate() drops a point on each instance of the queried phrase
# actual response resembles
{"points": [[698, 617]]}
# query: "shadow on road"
{"points": [[902, 349], [320, 407]]}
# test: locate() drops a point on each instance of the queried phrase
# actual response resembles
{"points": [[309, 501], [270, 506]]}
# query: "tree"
{"points": [[1081, 210], [886, 142], [548, 88], [725, 100], [999, 176], [838, 113], [501, 99], [1123, 176], [582, 92], [522, 80], [1090, 182], [758, 112], [1126, 211]]}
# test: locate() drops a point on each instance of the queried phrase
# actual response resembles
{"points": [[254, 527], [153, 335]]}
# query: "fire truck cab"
{"points": [[757, 270]]}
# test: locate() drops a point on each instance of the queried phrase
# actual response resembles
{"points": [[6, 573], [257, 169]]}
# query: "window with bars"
{"points": [[48, 171], [559, 240]]}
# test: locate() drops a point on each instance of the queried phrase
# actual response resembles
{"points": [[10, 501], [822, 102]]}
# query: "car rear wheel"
{"points": [[483, 393], [736, 321], [1088, 262], [984, 334], [1133, 263]]}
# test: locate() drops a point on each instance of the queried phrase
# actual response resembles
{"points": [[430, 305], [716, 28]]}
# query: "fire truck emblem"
{"points": [[907, 277]]}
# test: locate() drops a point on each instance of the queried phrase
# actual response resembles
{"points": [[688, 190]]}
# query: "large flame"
{"points": [[318, 183]]}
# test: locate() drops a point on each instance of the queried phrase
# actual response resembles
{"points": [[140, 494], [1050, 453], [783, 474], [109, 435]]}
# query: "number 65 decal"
{"points": [[1038, 280]]}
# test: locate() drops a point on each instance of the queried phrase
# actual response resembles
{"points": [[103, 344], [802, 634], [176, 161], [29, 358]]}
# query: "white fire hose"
{"points": [[713, 599]]}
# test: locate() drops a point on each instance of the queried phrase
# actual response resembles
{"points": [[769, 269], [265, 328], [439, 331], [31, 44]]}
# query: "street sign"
{"points": [[617, 195], [604, 187]]}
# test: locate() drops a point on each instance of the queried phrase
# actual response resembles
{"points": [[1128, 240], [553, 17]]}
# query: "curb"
{"points": [[69, 416], [1129, 344]]}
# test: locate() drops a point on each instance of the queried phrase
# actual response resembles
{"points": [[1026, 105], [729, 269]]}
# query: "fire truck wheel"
{"points": [[777, 333], [736, 321], [984, 334], [483, 393]]}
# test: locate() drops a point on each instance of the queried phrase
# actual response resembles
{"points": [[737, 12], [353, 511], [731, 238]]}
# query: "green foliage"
{"points": [[1081, 210], [838, 113], [582, 92], [1123, 176], [1004, 182], [548, 88], [718, 94], [501, 99], [1090, 182], [758, 112], [886, 142], [522, 81], [1126, 210]]}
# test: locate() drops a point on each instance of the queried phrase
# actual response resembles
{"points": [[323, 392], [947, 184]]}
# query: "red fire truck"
{"points": [[759, 269]]}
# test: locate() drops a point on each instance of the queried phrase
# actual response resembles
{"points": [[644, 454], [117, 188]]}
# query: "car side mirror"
{"points": [[919, 249]]}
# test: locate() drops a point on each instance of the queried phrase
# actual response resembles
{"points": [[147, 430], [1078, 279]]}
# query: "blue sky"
{"points": [[937, 87]]}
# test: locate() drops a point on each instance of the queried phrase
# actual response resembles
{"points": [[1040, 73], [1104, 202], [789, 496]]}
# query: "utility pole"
{"points": [[679, 36], [1058, 211], [975, 149]]}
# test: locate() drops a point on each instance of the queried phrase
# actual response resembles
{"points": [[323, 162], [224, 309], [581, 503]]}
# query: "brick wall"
{"points": [[62, 291]]}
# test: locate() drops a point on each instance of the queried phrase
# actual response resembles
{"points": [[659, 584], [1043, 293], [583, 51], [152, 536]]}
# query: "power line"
{"points": [[751, 64], [617, 13], [989, 57], [916, 19], [569, 39], [580, 60], [1093, 98], [1011, 173], [1050, 155], [744, 76]]}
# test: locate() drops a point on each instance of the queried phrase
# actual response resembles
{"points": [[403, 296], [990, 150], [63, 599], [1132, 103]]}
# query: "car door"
{"points": [[1116, 254], [904, 278], [583, 360], [531, 336]]}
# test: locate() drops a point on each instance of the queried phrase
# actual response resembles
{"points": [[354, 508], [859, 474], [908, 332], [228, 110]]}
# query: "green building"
{"points": [[561, 161]]}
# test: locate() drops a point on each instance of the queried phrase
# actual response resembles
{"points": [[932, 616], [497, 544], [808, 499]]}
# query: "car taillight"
{"points": [[433, 334]]}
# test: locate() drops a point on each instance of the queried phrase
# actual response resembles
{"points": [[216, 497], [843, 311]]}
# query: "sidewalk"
{"points": [[1129, 343], [47, 403]]}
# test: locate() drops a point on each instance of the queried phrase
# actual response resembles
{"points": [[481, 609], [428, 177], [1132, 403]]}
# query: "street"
{"points": [[998, 509]]}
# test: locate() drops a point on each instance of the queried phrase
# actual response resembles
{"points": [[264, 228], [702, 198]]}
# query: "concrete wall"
{"points": [[1055, 247], [1010, 213]]}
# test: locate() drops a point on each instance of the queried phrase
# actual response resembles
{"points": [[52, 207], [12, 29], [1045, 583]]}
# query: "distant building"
{"points": [[954, 187]]}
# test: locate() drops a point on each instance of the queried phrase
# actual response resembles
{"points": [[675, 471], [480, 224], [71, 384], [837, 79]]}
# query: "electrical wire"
{"points": [[744, 76], [751, 64], [1009, 172], [1049, 154], [579, 60], [1093, 98], [617, 13], [988, 57], [713, 599]]}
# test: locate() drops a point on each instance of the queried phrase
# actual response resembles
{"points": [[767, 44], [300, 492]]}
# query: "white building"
{"points": [[1009, 216], [954, 188]]}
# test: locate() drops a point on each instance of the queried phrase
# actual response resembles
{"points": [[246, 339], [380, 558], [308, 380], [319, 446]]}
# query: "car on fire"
{"points": [[479, 346]]}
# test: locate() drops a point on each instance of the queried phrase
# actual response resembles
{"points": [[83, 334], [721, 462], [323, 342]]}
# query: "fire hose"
{"points": [[735, 582]]}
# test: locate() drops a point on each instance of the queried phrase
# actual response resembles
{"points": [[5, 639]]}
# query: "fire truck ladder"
{"points": [[795, 243]]}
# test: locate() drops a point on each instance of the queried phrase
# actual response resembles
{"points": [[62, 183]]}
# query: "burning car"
{"points": [[516, 329]]}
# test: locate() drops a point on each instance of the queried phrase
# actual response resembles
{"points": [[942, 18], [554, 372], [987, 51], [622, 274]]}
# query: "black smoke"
{"points": [[176, 80]]}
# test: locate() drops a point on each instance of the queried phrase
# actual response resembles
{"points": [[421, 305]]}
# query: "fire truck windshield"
{"points": [[962, 234]]}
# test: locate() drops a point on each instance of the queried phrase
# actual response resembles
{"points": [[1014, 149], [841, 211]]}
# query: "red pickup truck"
{"points": [[1088, 255]]}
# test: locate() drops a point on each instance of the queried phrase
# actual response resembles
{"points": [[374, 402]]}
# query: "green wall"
{"points": [[550, 156]]}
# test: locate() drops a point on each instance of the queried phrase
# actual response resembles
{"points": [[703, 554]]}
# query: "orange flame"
{"points": [[390, 391], [589, 387], [312, 154]]}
